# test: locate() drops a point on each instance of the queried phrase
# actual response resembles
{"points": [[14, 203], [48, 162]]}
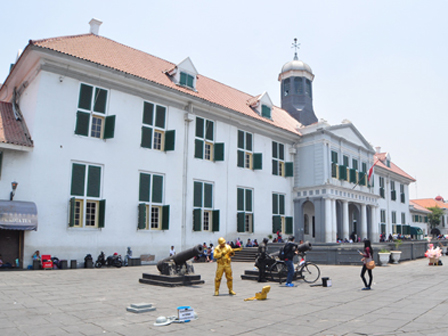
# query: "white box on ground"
{"points": [[185, 313]]}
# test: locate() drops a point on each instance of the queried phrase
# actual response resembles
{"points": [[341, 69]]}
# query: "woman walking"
{"points": [[368, 256]]}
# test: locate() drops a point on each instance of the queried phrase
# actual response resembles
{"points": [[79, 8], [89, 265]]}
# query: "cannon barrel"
{"points": [[182, 257], [306, 246]]}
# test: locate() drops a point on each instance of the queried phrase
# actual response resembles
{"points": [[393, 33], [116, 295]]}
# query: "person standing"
{"points": [[261, 260], [172, 251], [290, 250], [222, 255], [367, 256]]}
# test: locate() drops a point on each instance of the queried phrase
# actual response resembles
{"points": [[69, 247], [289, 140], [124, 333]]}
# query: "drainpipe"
{"points": [[188, 117]]}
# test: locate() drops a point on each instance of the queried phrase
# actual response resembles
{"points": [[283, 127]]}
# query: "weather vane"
{"points": [[296, 46]]}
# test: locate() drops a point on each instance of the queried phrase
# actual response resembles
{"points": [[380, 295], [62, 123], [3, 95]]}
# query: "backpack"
{"points": [[284, 251]]}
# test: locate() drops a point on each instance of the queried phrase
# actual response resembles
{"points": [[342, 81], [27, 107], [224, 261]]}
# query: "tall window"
{"points": [[87, 209], [393, 192], [245, 151], [394, 217], [278, 159], [245, 216], [298, 85], [403, 218], [153, 214], [153, 126], [308, 88], [402, 195], [279, 221], [91, 119], [383, 216], [334, 164], [382, 192], [205, 218], [286, 87]]}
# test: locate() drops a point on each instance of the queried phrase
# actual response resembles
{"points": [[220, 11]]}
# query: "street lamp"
{"points": [[13, 192]]}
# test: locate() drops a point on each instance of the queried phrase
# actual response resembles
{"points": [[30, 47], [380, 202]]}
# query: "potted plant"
{"points": [[396, 254], [384, 256]]}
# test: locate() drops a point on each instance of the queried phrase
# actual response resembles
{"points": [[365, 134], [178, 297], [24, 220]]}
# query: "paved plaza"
{"points": [[407, 299]]}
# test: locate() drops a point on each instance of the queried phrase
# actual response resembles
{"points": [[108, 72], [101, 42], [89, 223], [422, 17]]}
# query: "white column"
{"points": [[345, 226], [334, 220], [363, 232], [328, 221], [374, 229]]}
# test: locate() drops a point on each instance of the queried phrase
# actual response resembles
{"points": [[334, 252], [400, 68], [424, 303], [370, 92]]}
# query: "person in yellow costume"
{"points": [[222, 255]]}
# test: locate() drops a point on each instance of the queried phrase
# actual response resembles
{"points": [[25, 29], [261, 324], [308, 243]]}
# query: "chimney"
{"points": [[95, 26], [378, 149]]}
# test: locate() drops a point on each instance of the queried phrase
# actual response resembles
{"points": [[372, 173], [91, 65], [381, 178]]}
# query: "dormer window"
{"points": [[186, 80], [265, 111]]}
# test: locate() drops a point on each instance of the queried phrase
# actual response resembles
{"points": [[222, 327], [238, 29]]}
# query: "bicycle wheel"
{"points": [[310, 272], [278, 272]]}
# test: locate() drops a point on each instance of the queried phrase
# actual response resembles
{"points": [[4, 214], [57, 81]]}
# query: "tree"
{"points": [[434, 217]]}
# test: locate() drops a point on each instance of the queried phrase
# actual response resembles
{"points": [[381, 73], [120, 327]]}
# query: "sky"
{"points": [[380, 64]]}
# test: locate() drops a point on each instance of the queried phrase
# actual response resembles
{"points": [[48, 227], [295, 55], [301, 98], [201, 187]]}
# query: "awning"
{"points": [[18, 215], [415, 231]]}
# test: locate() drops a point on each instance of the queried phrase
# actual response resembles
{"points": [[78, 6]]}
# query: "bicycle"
{"points": [[305, 270]]}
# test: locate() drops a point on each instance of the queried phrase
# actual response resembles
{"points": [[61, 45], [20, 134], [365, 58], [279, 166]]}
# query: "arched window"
{"points": [[286, 87], [298, 85]]}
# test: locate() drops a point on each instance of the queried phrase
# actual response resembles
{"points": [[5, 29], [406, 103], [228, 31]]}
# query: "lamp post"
{"points": [[13, 192]]}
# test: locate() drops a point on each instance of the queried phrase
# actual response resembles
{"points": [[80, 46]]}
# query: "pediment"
{"points": [[349, 132]]}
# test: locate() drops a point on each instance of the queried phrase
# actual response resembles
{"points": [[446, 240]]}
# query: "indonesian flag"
{"points": [[370, 176]]}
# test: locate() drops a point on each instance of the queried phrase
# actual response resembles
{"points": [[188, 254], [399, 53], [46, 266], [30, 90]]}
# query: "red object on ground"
{"points": [[46, 262]]}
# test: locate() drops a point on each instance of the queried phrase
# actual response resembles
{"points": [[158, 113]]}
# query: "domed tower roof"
{"points": [[296, 80]]}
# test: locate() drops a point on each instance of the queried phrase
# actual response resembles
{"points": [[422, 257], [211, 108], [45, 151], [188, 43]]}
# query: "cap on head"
{"points": [[291, 238], [221, 241]]}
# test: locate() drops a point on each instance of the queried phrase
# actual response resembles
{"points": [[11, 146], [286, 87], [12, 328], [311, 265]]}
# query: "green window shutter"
{"points": [[199, 127], [157, 188], [248, 200], [198, 148], [197, 219], [183, 78], [240, 199], [274, 167], [275, 204], [274, 149], [334, 170], [102, 214], [85, 97], [241, 139], [353, 176], [276, 223], [148, 111], [1, 160], [288, 225], [334, 157], [99, 101], [71, 220], [141, 216], [146, 137], [218, 154], [281, 199], [165, 217], [197, 194], [190, 81], [145, 183], [170, 140], [240, 159], [289, 169], [281, 151], [82, 123], [393, 196], [208, 195], [78, 179], [362, 178], [343, 173], [240, 222], [160, 116], [109, 127], [248, 141], [93, 181], [265, 111], [215, 225], [209, 130], [258, 161]]}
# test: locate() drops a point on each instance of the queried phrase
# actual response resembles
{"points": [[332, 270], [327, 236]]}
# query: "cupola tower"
{"points": [[296, 80]]}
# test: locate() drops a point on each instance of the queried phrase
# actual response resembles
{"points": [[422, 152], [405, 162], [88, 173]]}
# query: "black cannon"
{"points": [[306, 246], [177, 264]]}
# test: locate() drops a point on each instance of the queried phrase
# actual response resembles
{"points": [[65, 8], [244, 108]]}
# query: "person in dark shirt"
{"points": [[290, 250], [367, 256]]}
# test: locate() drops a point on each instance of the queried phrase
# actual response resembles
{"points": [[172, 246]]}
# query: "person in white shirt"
{"points": [[172, 251]]}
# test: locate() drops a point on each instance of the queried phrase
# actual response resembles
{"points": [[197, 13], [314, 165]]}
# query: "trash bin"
{"points": [[73, 264], [36, 264], [63, 264]]}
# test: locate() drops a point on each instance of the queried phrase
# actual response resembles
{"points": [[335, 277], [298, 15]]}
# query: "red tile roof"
{"points": [[417, 206], [380, 161], [12, 131], [429, 203], [114, 55]]}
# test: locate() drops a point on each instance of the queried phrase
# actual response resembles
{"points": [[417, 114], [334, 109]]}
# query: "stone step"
{"points": [[171, 284]]}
